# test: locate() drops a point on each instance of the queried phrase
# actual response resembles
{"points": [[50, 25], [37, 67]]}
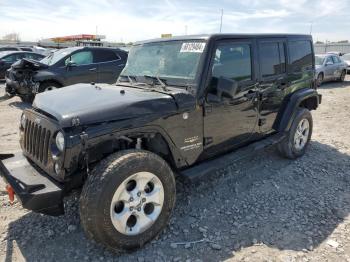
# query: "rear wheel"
{"points": [[299, 135], [127, 199]]}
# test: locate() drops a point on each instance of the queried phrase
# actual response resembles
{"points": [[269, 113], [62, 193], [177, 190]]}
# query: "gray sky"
{"points": [[136, 20]]}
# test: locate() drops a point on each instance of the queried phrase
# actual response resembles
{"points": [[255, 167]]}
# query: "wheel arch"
{"points": [[305, 98], [153, 139]]}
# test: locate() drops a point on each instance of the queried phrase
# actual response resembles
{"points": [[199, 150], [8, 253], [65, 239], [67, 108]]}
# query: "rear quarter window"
{"points": [[102, 55], [300, 54]]}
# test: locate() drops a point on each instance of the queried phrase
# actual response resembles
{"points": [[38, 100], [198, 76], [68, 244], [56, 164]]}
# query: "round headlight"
{"points": [[23, 120], [60, 141]]}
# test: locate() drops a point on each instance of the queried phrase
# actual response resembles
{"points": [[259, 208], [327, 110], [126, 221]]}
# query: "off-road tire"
{"points": [[286, 148], [43, 86], [100, 186]]}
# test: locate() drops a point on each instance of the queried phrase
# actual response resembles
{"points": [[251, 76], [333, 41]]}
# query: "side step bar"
{"points": [[208, 167]]}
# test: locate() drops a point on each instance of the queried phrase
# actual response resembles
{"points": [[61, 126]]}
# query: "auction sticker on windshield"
{"points": [[195, 47]]}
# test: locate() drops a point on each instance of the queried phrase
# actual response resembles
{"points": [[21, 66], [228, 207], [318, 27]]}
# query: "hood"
{"points": [[26, 63], [101, 102], [347, 62]]}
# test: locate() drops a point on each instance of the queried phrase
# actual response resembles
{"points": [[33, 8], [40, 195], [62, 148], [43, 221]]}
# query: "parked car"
{"points": [[64, 67], [184, 105], [329, 67], [7, 58], [16, 48], [346, 59]]}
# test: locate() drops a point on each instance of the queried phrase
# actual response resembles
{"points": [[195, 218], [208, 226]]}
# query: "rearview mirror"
{"points": [[226, 87]]}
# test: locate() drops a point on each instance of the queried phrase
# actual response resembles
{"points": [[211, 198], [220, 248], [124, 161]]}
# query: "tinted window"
{"points": [[8, 49], [300, 53], [81, 58], [104, 56], [12, 58], [233, 61], [272, 60]]}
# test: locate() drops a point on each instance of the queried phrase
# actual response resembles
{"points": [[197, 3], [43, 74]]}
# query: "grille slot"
{"points": [[36, 141]]}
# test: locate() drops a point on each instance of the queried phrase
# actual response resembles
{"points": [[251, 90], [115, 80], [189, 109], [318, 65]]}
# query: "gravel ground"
{"points": [[261, 209]]}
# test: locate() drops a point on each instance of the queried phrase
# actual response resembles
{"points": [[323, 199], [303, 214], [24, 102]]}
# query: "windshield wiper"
{"points": [[160, 81]]}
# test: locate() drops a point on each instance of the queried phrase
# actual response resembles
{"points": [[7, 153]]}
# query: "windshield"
{"points": [[55, 56], [319, 60], [177, 60]]}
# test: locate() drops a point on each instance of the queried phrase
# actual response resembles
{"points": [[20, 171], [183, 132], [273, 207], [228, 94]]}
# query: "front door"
{"points": [[81, 69], [330, 68], [231, 121]]}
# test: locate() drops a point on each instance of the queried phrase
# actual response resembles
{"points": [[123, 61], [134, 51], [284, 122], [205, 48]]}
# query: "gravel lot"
{"points": [[261, 209]]}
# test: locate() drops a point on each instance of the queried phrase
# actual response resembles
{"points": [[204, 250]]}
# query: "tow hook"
{"points": [[11, 193]]}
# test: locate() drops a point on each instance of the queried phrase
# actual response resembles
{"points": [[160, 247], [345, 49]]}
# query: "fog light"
{"points": [[57, 168]]}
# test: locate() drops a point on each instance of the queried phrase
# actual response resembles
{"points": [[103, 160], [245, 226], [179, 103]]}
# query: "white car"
{"points": [[329, 67]]}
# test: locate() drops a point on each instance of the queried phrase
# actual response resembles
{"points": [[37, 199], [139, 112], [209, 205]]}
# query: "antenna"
{"points": [[222, 14]]}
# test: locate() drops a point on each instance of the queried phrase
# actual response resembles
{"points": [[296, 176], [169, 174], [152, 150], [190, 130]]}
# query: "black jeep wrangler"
{"points": [[182, 106]]}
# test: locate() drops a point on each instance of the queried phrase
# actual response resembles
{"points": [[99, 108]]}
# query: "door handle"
{"points": [[93, 69]]}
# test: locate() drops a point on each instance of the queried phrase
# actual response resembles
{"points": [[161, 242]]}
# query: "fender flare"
{"points": [[307, 97]]}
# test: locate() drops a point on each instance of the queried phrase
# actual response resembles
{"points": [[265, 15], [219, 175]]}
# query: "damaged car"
{"points": [[183, 106], [64, 67], [7, 58]]}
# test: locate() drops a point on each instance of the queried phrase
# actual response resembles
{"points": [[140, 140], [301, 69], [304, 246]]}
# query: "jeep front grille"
{"points": [[36, 141]]}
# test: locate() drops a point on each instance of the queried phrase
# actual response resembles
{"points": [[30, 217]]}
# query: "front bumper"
{"points": [[35, 190]]}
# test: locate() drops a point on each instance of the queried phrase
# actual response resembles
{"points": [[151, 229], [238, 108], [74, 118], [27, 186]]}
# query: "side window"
{"points": [[272, 59], [33, 56], [329, 60], [233, 61], [336, 60], [103, 55], [81, 58], [10, 58], [300, 53]]}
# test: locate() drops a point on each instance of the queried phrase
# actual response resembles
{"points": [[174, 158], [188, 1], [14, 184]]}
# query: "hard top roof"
{"points": [[220, 36]]}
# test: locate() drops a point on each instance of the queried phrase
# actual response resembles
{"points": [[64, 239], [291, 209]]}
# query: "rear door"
{"points": [[273, 79], [83, 69], [110, 65]]}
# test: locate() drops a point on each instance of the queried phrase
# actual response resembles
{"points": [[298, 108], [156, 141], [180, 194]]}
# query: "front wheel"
{"points": [[299, 135], [127, 199], [342, 76]]}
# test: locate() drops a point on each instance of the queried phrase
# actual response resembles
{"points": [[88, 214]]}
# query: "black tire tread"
{"points": [[93, 187]]}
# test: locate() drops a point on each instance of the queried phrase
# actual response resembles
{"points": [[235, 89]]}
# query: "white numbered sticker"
{"points": [[192, 47]]}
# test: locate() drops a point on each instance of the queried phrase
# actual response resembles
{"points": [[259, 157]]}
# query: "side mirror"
{"points": [[71, 63], [226, 87]]}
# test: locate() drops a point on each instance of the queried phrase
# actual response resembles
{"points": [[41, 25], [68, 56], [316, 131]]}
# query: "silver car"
{"points": [[329, 67], [346, 59]]}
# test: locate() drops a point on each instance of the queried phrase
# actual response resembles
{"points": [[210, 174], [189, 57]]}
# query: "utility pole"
{"points": [[222, 14]]}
